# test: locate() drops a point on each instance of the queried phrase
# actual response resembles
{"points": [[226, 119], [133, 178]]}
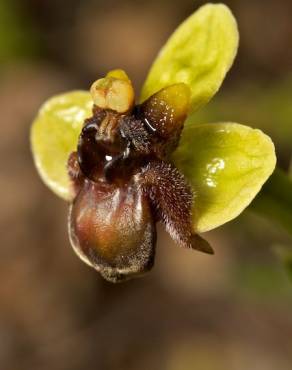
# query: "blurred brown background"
{"points": [[192, 312]]}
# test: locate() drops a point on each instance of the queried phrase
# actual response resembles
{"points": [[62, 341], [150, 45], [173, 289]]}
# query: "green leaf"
{"points": [[54, 136], [226, 164], [199, 53]]}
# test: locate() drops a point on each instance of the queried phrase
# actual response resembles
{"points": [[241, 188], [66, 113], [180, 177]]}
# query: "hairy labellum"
{"points": [[124, 182]]}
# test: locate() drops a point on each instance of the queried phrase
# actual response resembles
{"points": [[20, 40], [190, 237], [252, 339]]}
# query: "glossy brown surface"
{"points": [[124, 184], [113, 229], [166, 110]]}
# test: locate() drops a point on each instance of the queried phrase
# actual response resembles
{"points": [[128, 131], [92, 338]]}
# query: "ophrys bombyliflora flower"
{"points": [[131, 165]]}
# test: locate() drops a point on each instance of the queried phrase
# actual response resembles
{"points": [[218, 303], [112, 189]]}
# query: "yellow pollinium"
{"points": [[115, 92]]}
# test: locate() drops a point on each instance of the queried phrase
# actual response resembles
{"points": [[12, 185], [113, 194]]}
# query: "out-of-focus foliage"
{"points": [[261, 280], [275, 201], [285, 255], [17, 39]]}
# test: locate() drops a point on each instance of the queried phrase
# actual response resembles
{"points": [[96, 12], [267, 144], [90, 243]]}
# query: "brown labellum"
{"points": [[124, 183], [112, 229]]}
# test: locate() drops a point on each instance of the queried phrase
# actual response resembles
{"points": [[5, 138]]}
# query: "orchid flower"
{"points": [[125, 164]]}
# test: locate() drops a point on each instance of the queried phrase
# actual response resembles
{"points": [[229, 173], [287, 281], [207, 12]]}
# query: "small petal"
{"points": [[199, 54], [54, 135], [226, 164], [112, 230], [166, 111]]}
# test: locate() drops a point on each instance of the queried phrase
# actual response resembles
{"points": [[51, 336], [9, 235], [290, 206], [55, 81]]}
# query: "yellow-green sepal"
{"points": [[226, 164], [199, 53], [54, 135]]}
